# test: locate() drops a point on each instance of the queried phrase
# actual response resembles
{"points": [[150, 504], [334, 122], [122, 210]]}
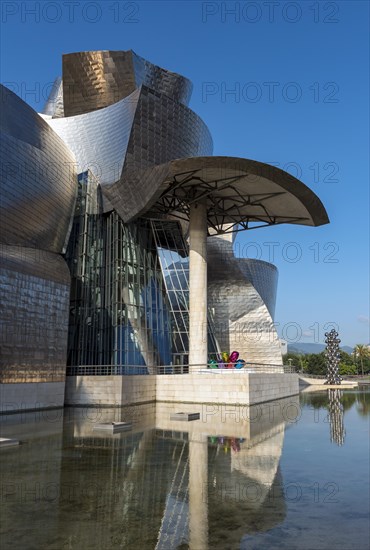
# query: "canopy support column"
{"points": [[198, 352]]}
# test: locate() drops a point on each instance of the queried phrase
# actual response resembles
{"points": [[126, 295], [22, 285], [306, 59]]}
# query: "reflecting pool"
{"points": [[289, 474]]}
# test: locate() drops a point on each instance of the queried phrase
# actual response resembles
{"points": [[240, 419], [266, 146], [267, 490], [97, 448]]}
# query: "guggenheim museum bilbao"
{"points": [[117, 229]]}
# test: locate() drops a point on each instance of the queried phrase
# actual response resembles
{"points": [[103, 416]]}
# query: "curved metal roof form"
{"points": [[38, 179], [99, 139], [239, 194], [96, 79]]}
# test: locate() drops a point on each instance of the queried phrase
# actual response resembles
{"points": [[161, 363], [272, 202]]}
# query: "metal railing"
{"points": [[318, 376], [324, 376], [109, 370]]}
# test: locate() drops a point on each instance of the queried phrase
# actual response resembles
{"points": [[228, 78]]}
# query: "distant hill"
{"points": [[303, 348]]}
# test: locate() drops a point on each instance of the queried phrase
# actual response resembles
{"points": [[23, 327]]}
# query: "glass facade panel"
{"points": [[173, 255], [119, 312]]}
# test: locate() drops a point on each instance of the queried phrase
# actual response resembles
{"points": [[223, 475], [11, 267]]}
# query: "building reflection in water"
{"points": [[172, 484], [164, 484]]}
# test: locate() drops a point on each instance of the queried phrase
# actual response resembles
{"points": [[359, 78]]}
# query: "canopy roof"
{"points": [[239, 194]]}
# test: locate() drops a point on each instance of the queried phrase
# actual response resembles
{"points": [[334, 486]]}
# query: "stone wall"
{"points": [[231, 388], [235, 388], [110, 390]]}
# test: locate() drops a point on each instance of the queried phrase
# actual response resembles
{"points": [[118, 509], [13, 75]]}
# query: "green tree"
{"points": [[367, 365], [345, 369], [346, 358], [362, 353], [316, 363]]}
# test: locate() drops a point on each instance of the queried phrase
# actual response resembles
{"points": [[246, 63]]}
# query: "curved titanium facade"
{"points": [[236, 293], [164, 130], [38, 193], [34, 304], [144, 129], [38, 185], [99, 139], [94, 80], [264, 277], [54, 104]]}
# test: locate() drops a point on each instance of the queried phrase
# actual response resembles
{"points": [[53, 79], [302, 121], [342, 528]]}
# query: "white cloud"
{"points": [[363, 319]]}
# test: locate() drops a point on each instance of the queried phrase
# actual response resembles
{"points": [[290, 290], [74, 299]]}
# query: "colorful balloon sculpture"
{"points": [[225, 357], [226, 361], [227, 443]]}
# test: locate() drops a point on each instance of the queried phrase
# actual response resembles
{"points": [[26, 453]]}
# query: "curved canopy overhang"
{"points": [[238, 193]]}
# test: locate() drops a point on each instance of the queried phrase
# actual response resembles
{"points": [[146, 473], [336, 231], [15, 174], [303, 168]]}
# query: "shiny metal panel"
{"points": [[162, 130], [242, 320], [264, 277], [54, 105], [38, 182], [34, 303], [96, 79], [165, 82], [99, 139]]}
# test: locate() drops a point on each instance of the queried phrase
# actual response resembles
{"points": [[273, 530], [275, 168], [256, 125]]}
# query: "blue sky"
{"points": [[280, 82]]}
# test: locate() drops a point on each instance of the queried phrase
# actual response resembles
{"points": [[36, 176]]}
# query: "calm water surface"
{"points": [[290, 474]]}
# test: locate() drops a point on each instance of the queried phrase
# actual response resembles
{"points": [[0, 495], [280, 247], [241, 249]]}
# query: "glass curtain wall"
{"points": [[174, 259], [119, 315], [173, 255], [88, 322]]}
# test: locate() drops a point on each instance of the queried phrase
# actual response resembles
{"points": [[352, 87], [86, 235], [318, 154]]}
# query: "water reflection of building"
{"points": [[123, 480], [30, 479], [245, 490], [169, 483]]}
